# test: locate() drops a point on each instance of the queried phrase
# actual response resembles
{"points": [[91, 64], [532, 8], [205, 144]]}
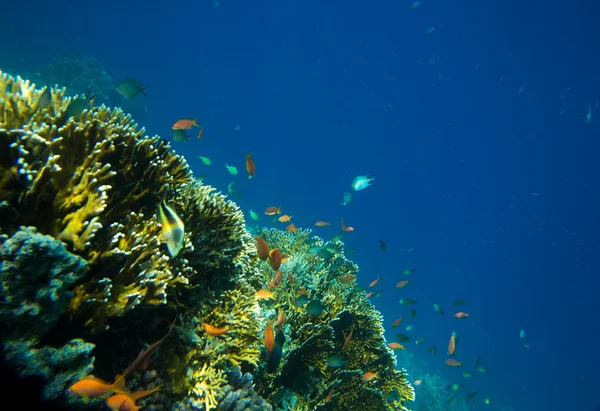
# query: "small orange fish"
{"points": [[322, 224], [269, 337], [185, 124], [273, 210], [285, 218], [126, 401], [348, 338], [303, 291], [417, 382], [396, 346], [374, 283], [214, 332], [280, 318], [91, 386], [275, 258], [291, 278], [451, 345], [271, 285], [264, 295], [328, 398], [250, 166], [284, 257], [453, 363], [262, 248], [344, 228], [402, 283], [292, 228], [278, 278], [200, 133], [368, 376], [348, 278], [461, 315], [397, 322]]}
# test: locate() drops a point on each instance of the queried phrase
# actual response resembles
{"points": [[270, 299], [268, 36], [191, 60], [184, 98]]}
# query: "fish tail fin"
{"points": [[248, 155], [119, 385], [144, 393], [143, 90], [195, 121]]}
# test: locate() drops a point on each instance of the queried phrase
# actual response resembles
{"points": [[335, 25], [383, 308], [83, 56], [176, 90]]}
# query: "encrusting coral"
{"points": [[83, 185]]}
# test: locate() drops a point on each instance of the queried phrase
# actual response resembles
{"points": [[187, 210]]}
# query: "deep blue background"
{"points": [[496, 191]]}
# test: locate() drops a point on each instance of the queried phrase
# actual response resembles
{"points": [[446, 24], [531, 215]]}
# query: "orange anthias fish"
{"points": [[280, 318], [278, 278], [275, 258], [402, 283], [273, 210], [348, 278], [285, 218], [453, 363], [269, 337], [397, 322], [396, 346], [91, 386], [344, 228], [348, 338], [374, 283], [461, 315], [264, 295], [200, 132], [213, 331], [322, 224], [262, 248], [185, 124], [368, 376], [451, 345], [250, 166], [417, 382], [328, 398], [292, 228], [126, 401]]}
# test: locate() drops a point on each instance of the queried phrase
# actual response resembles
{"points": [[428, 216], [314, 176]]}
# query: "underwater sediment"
{"points": [[89, 278]]}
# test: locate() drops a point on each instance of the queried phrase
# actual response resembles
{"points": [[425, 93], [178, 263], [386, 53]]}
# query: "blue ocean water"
{"points": [[483, 138]]}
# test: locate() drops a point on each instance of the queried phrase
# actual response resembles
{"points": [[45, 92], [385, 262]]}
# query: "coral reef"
{"points": [[60, 367], [348, 325], [93, 266]]}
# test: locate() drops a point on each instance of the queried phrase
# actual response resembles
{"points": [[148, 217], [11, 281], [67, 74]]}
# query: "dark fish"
{"points": [[276, 353], [130, 87], [78, 104], [382, 245], [314, 308], [407, 301], [438, 309], [469, 396], [477, 361], [181, 136], [432, 350], [336, 361], [413, 313], [45, 99], [402, 338], [459, 302], [301, 300]]}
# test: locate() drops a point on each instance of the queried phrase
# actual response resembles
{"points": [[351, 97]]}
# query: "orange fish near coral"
{"points": [[344, 228], [262, 248], [185, 124], [280, 318], [397, 322], [292, 228], [213, 331], [285, 218], [396, 346], [91, 386], [264, 295], [417, 382], [453, 363], [273, 210], [328, 398], [374, 283], [368, 376], [322, 224], [348, 338], [126, 401], [278, 278], [402, 283], [348, 278], [461, 315], [269, 337], [275, 258], [250, 167]]}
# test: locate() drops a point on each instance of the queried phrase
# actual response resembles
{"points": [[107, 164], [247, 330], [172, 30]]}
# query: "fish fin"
{"points": [[143, 90], [144, 393], [85, 398], [119, 385]]}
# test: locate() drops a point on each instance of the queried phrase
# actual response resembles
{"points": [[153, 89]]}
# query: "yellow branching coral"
{"points": [[208, 386]]}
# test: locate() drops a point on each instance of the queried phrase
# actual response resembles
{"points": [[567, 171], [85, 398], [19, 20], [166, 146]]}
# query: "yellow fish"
{"points": [[172, 228]]}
